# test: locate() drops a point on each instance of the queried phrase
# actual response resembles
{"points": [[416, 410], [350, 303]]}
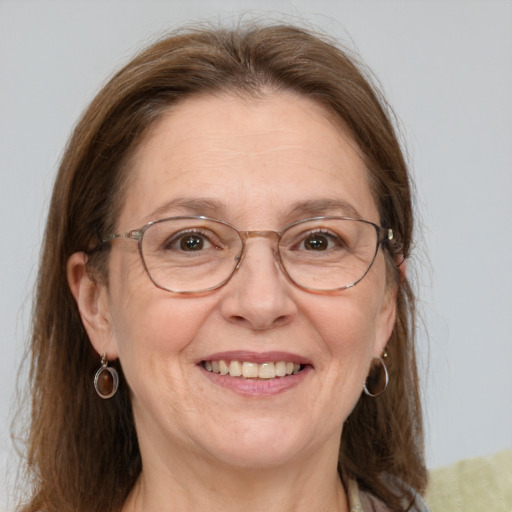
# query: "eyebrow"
{"points": [[189, 206], [214, 208], [324, 206]]}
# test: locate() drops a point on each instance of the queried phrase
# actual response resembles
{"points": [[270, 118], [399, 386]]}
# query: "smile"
{"points": [[252, 370]]}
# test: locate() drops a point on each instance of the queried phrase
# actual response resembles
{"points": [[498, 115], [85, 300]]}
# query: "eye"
{"points": [[191, 241], [317, 242], [321, 241]]}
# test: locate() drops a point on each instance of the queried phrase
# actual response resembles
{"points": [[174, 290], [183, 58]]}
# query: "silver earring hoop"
{"points": [[378, 378], [106, 379]]}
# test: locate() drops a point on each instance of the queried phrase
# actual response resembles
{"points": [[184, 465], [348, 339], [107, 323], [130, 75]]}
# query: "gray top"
{"points": [[360, 501]]}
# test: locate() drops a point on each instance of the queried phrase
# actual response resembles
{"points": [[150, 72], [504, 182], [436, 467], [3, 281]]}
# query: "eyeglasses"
{"points": [[198, 254]]}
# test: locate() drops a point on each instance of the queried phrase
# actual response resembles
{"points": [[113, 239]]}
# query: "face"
{"points": [[259, 165]]}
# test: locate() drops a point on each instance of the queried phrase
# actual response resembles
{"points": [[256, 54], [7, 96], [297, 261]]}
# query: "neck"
{"points": [[199, 486]]}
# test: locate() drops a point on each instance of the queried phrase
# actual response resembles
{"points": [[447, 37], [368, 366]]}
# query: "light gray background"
{"points": [[446, 67]]}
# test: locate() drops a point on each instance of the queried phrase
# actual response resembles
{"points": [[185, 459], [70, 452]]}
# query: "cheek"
{"points": [[150, 327], [348, 328], [346, 334], [157, 325], [156, 351], [348, 325]]}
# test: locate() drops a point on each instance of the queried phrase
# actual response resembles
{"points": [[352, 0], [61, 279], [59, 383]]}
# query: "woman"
{"points": [[223, 318]]}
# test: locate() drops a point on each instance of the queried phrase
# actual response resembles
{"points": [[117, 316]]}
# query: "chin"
{"points": [[263, 446], [262, 458]]}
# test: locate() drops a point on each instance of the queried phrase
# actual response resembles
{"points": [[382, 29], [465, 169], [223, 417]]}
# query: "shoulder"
{"points": [[360, 501]]}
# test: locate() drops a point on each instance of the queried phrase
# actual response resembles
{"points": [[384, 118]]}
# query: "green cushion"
{"points": [[474, 485]]}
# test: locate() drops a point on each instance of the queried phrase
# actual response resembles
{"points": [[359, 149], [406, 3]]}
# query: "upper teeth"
{"points": [[250, 370]]}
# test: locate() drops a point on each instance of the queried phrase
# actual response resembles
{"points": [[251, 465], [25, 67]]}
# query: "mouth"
{"points": [[253, 370]]}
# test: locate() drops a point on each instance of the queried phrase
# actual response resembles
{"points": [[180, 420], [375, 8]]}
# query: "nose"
{"points": [[259, 295]]}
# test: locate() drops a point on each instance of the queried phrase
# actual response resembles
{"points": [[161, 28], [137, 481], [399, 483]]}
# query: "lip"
{"points": [[257, 387], [257, 357]]}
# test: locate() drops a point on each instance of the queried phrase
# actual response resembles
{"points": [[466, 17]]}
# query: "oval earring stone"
{"points": [[106, 382]]}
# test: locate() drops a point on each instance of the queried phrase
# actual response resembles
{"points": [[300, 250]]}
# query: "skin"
{"points": [[205, 447]]}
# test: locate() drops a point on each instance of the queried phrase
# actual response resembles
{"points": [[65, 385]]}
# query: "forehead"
{"points": [[235, 156]]}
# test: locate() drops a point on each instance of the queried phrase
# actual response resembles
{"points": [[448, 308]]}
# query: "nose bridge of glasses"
{"points": [[274, 236], [259, 234]]}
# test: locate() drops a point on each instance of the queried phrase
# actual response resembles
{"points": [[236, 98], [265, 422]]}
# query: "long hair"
{"points": [[82, 452]]}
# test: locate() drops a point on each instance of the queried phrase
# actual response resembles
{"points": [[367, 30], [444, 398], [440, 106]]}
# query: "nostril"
{"points": [[259, 324], [280, 320]]}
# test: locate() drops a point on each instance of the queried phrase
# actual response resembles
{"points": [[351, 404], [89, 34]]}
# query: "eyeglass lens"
{"points": [[192, 255]]}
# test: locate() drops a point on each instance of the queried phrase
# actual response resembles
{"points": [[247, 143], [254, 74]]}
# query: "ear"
{"points": [[401, 263], [92, 299], [387, 313]]}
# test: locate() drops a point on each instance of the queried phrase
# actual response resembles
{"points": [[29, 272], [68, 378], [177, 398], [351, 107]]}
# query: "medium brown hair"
{"points": [[82, 452]]}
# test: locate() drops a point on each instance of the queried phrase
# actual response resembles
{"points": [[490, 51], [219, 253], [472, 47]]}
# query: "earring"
{"points": [[378, 378], [106, 379]]}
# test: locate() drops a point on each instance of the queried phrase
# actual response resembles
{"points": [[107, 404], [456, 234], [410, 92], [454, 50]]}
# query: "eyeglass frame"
{"points": [[384, 236]]}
